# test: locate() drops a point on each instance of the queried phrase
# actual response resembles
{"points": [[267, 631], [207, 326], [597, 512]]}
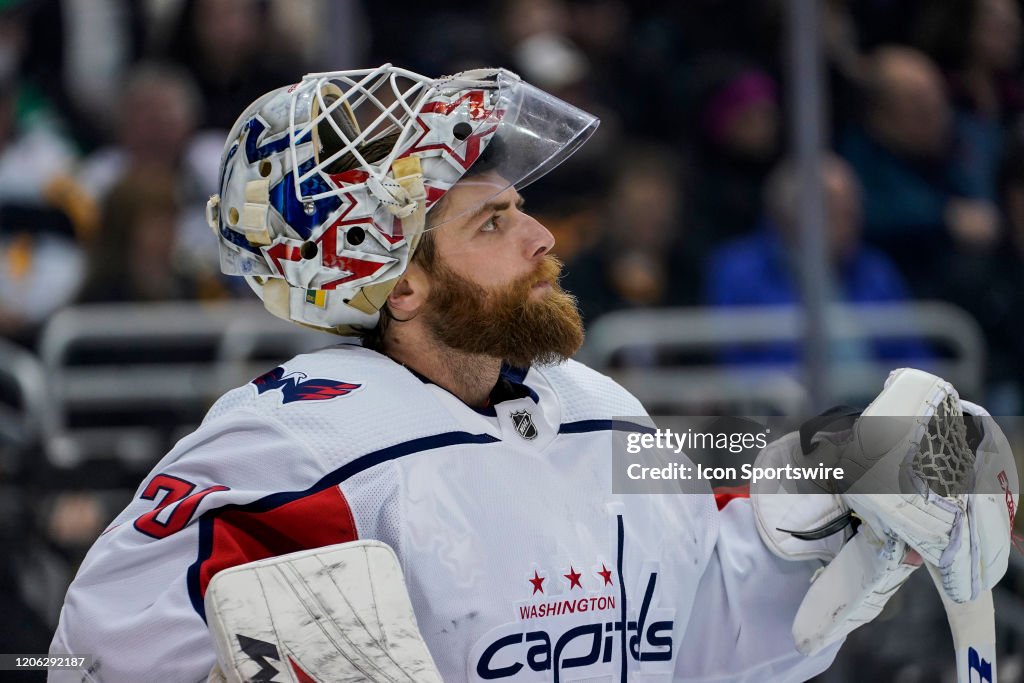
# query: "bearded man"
{"points": [[386, 204]]}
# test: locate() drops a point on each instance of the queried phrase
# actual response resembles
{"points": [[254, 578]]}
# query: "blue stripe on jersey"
{"points": [[339, 475], [583, 426], [622, 595], [353, 468]]}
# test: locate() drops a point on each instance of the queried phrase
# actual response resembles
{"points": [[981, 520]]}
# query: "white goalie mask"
{"points": [[325, 184]]}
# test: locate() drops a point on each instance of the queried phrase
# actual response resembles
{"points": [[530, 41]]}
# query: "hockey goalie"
{"points": [[435, 502]]}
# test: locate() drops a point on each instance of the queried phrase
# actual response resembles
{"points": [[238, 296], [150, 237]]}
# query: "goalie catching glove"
{"points": [[926, 486], [955, 503]]}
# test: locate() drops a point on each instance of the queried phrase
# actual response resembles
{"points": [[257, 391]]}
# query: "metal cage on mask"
{"points": [[325, 185]]}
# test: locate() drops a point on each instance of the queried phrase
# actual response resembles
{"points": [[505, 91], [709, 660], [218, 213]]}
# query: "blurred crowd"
{"points": [[113, 114]]}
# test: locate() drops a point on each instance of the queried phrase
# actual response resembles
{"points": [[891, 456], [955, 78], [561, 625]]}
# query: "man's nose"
{"points": [[537, 240]]}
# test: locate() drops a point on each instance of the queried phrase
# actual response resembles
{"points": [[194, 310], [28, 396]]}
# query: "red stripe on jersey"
{"points": [[240, 536], [724, 494]]}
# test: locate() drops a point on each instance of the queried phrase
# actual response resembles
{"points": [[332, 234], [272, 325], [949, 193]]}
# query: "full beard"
{"points": [[507, 322]]}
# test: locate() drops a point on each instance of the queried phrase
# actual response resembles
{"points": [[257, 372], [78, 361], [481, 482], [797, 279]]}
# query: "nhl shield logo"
{"points": [[524, 424]]}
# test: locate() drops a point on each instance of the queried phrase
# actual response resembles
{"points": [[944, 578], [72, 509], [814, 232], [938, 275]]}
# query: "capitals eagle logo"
{"points": [[295, 387]]}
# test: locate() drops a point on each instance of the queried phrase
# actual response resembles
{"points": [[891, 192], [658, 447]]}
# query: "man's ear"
{"points": [[410, 293]]}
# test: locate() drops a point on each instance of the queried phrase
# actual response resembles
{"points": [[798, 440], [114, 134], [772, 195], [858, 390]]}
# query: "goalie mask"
{"points": [[325, 185]]}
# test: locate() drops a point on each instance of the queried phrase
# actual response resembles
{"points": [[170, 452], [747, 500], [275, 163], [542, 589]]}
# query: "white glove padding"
{"points": [[852, 589], [861, 575], [965, 531], [779, 510], [339, 613]]}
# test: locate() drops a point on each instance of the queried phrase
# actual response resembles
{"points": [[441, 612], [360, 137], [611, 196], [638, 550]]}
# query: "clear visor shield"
{"points": [[516, 134], [349, 130]]}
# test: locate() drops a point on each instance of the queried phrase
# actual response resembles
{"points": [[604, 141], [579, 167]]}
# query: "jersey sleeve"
{"points": [[240, 488], [741, 624]]}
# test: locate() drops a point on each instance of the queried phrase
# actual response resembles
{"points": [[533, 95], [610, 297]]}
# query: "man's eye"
{"points": [[491, 225]]}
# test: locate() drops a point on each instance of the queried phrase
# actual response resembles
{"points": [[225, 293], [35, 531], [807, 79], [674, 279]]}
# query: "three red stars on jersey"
{"points": [[574, 577]]}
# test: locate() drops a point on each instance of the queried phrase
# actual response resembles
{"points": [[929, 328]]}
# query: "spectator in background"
{"points": [[77, 54], [846, 63], [1008, 328], [225, 47], [156, 133], [644, 256], [42, 215], [131, 257], [158, 114], [537, 33], [977, 44], [990, 286], [538, 37], [919, 203], [739, 127], [761, 270]]}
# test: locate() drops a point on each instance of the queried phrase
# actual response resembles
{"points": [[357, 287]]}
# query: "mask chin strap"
{"points": [[408, 202], [392, 193]]}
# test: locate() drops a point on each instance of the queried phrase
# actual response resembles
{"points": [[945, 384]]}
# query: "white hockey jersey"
{"points": [[521, 563]]}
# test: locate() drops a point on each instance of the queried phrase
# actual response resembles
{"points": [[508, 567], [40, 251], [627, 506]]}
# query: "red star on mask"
{"points": [[538, 582], [605, 574], [574, 578]]}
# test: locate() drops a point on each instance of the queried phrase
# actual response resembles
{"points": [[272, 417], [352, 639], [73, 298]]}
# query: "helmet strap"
{"points": [[408, 172]]}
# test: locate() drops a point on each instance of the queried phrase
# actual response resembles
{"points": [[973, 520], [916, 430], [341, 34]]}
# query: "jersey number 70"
{"points": [[177, 491]]}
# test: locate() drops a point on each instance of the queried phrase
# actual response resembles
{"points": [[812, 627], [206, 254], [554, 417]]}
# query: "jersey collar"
{"points": [[510, 386]]}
